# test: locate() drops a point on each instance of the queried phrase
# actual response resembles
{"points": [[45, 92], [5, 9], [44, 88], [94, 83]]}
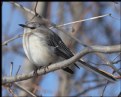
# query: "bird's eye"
{"points": [[32, 27]]}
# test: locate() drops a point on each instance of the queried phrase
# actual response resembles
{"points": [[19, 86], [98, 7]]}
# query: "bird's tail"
{"points": [[67, 69], [104, 74]]}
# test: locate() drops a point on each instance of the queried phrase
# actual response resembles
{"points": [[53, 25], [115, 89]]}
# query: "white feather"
{"points": [[36, 49]]}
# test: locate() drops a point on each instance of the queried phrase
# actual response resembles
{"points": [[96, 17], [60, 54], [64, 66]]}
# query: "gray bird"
{"points": [[43, 47]]}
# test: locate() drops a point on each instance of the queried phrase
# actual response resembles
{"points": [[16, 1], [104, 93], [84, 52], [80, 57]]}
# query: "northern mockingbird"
{"points": [[43, 47]]}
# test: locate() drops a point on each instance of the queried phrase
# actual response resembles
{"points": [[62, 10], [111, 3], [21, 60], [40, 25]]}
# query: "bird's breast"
{"points": [[38, 51]]}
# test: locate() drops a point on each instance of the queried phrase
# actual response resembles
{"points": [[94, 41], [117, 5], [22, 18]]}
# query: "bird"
{"points": [[43, 47]]}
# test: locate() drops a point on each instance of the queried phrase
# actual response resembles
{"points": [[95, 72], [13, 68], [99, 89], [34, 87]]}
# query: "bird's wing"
{"points": [[63, 51], [60, 48]]}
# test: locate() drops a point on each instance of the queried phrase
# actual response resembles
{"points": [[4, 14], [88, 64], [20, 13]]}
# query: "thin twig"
{"points": [[23, 8], [27, 10], [35, 8], [11, 39], [11, 68], [22, 88], [119, 55], [18, 69], [106, 85], [115, 62], [104, 88], [36, 14], [114, 17], [11, 91], [89, 89], [79, 21], [90, 81]]}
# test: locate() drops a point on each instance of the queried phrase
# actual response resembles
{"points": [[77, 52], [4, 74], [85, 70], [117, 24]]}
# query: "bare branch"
{"points": [[11, 68], [22, 88], [35, 8], [18, 69], [104, 88], [56, 66], [22, 8], [10, 91], [7, 41], [79, 21], [89, 89]]}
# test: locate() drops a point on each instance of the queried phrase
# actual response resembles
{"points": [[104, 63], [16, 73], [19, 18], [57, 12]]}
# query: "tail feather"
{"points": [[67, 69], [106, 75]]}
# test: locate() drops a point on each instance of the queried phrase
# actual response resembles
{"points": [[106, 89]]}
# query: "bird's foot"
{"points": [[35, 71]]}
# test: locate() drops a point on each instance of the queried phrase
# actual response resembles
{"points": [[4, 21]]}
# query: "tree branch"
{"points": [[11, 39], [59, 65], [89, 89]]}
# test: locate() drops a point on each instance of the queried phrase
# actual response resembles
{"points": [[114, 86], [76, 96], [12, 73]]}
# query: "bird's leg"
{"points": [[39, 67], [48, 65], [45, 70], [35, 71], [44, 67]]}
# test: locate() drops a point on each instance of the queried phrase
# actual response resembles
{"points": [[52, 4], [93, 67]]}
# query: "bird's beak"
{"points": [[24, 26]]}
